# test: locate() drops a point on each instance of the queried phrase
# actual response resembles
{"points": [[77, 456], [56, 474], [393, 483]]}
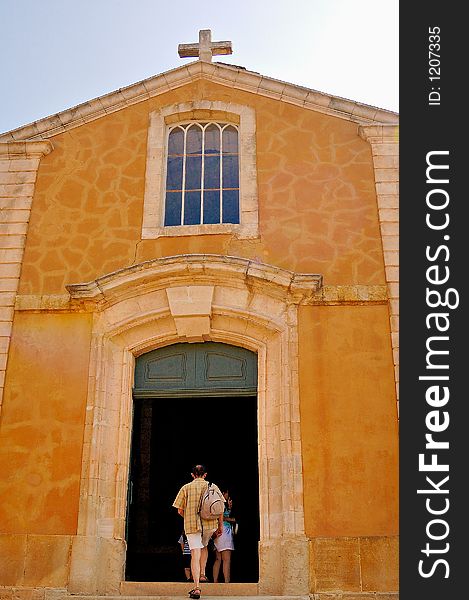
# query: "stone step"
{"points": [[176, 596], [151, 588]]}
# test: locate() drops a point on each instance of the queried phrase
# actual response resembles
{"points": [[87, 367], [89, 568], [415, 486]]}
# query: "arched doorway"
{"points": [[192, 403], [192, 298]]}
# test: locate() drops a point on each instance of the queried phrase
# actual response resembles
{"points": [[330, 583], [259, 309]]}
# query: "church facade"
{"points": [[206, 205]]}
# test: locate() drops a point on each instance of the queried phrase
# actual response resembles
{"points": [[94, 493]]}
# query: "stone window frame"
{"points": [[243, 117]]}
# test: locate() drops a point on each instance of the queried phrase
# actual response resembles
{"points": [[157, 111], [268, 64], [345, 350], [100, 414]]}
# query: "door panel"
{"points": [[208, 368]]}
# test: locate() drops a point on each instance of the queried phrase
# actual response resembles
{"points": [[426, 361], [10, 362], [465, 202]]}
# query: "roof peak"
{"points": [[223, 74]]}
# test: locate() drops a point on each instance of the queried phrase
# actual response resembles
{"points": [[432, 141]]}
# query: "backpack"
{"points": [[212, 503]]}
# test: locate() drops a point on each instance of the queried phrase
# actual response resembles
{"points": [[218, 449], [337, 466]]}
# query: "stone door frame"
{"points": [[179, 299]]}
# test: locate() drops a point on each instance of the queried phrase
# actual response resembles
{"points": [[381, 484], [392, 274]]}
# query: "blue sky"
{"points": [[59, 53]]}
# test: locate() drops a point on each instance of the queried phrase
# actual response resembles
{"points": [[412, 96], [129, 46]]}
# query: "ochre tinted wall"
{"points": [[317, 204], [317, 214], [42, 422], [348, 421]]}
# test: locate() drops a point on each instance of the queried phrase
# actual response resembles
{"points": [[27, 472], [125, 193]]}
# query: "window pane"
{"points": [[230, 140], [230, 206], [193, 172], [194, 140], [230, 171], [192, 208], [212, 172], [212, 139], [176, 141], [174, 175], [185, 155], [212, 207], [173, 208]]}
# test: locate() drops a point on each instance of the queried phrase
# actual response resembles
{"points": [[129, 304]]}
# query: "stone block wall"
{"points": [[33, 561], [385, 149], [19, 162], [354, 566]]}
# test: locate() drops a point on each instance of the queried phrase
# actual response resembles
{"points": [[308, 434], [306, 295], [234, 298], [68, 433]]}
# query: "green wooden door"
{"points": [[191, 370]]}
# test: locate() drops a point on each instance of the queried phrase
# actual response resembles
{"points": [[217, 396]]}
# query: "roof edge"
{"points": [[232, 76]]}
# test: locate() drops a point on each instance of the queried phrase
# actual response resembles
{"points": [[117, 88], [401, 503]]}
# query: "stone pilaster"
{"points": [[384, 140], [19, 163]]}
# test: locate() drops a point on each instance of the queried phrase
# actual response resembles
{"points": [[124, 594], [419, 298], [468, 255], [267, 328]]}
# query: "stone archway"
{"points": [[192, 298]]}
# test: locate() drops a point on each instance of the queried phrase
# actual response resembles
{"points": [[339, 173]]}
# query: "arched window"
{"points": [[202, 176]]}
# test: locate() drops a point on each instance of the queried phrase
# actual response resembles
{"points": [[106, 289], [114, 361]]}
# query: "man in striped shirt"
{"points": [[198, 531]]}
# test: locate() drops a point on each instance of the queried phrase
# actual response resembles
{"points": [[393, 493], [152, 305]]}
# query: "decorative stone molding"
{"points": [[155, 184], [26, 149], [227, 75], [384, 140], [191, 309], [328, 295], [380, 133], [350, 294], [208, 268], [19, 162], [137, 310]]}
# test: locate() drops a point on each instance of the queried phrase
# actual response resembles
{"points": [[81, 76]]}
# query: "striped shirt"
{"points": [[188, 499], [183, 540]]}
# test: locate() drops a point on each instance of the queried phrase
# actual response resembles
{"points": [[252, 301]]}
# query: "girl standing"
{"points": [[224, 543]]}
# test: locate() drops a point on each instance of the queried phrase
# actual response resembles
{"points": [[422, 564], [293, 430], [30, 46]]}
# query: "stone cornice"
{"points": [[199, 269], [227, 75], [350, 294], [329, 295], [22, 149], [379, 134]]}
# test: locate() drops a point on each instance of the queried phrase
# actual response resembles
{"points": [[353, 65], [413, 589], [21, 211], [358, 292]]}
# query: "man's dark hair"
{"points": [[198, 470]]}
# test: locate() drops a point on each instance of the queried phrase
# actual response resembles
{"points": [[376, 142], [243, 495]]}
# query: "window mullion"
{"points": [[202, 177], [221, 174], [183, 191]]}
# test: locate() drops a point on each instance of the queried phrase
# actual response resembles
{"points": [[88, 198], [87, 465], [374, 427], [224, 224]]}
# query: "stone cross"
{"points": [[205, 49]]}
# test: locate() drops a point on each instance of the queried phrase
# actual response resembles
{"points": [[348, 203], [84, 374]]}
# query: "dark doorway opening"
{"points": [[170, 435]]}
